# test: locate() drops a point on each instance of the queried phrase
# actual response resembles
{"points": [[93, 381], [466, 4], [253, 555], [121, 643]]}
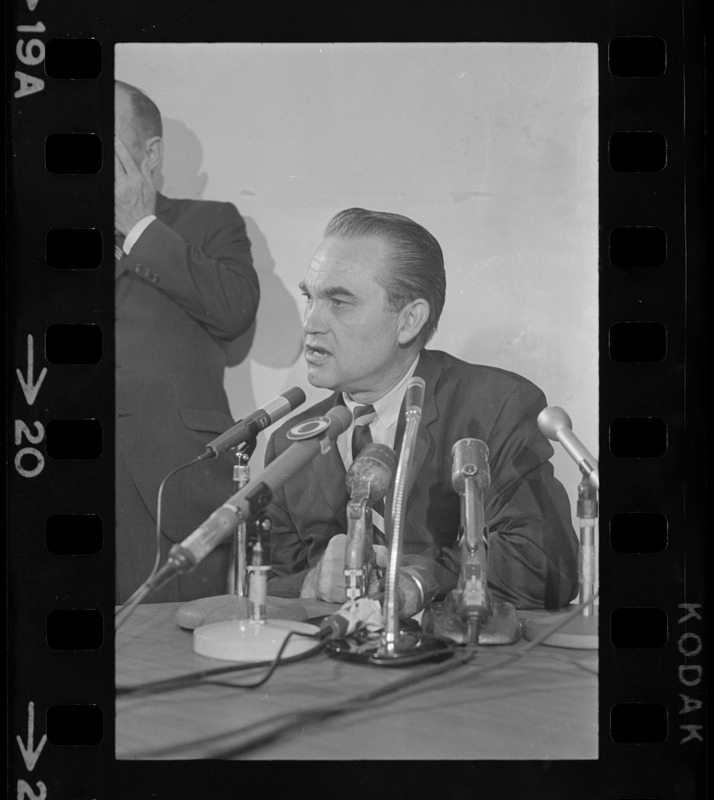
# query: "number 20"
{"points": [[21, 429]]}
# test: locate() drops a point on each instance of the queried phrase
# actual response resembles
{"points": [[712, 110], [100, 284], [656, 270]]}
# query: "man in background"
{"points": [[185, 284], [374, 291]]}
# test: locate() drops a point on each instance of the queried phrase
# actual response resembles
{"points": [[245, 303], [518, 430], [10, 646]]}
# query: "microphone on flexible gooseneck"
{"points": [[247, 429]]}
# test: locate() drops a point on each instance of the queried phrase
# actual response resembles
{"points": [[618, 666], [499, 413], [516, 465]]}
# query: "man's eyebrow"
{"points": [[331, 291]]}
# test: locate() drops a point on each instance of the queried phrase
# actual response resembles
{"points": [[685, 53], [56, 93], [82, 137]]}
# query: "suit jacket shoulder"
{"points": [[196, 215]]}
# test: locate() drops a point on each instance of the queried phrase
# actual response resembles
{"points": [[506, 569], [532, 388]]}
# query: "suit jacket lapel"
{"points": [[330, 474]]}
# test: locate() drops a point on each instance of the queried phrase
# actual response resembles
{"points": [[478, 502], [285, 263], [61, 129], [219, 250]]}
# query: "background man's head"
{"points": [[138, 123], [416, 266]]}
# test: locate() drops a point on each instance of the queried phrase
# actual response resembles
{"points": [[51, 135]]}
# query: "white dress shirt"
{"points": [[136, 231], [384, 426]]}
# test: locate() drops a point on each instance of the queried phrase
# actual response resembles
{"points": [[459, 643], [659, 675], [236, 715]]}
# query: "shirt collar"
{"points": [[387, 407]]}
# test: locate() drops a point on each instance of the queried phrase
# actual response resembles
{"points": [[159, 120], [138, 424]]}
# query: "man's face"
{"points": [[352, 339], [125, 126]]}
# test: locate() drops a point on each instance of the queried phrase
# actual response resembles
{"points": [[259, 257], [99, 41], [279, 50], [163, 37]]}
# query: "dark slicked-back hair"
{"points": [[146, 113], [416, 269]]}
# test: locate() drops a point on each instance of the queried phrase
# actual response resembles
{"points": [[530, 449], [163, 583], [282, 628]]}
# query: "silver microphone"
{"points": [[471, 477], [469, 459], [414, 399], [556, 425]]}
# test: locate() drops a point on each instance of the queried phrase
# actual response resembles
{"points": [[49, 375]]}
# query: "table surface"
{"points": [[542, 705]]}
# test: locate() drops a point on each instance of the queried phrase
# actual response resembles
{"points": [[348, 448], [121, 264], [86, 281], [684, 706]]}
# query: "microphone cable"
{"points": [[125, 610], [266, 731], [190, 678], [283, 723]]}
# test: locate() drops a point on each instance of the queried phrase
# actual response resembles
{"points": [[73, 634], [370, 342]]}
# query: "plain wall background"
{"points": [[492, 147]]}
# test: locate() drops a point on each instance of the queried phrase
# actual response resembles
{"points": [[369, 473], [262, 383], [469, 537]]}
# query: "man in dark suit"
{"points": [[375, 290], [184, 283]]}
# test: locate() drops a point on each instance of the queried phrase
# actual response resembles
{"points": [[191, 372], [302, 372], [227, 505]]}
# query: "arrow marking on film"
{"points": [[29, 754], [29, 387]]}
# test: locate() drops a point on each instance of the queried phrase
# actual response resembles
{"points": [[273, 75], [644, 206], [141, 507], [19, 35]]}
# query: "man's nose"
{"points": [[314, 319]]}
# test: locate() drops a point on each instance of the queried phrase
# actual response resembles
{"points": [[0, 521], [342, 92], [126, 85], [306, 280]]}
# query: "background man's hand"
{"points": [[134, 192]]}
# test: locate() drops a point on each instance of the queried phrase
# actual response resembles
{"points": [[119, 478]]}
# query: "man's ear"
{"points": [[154, 152], [412, 319]]}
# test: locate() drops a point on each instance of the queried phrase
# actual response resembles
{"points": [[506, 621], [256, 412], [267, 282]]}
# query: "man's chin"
{"points": [[320, 378]]}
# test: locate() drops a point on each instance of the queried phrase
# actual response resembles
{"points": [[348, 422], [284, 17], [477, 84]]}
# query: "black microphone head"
{"points": [[295, 397], [376, 464], [551, 420]]}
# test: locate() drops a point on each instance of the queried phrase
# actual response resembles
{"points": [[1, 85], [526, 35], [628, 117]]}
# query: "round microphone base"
{"points": [[248, 641], [413, 647], [225, 607], [580, 633]]}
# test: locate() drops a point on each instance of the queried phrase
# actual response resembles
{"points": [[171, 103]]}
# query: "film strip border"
{"points": [[60, 539], [652, 535]]}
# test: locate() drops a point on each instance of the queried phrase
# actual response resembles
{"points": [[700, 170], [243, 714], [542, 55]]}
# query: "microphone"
{"points": [[414, 399], [555, 424], [470, 460], [368, 480], [374, 466], [246, 429], [471, 477], [255, 496]]}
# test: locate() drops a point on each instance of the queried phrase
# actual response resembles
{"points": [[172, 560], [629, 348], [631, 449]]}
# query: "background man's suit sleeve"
{"points": [[215, 283]]}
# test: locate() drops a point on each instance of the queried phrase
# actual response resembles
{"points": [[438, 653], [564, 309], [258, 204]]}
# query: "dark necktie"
{"points": [[118, 242], [361, 437]]}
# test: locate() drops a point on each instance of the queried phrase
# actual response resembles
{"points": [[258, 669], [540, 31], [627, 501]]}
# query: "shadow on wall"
{"points": [[277, 341], [274, 340], [179, 174]]}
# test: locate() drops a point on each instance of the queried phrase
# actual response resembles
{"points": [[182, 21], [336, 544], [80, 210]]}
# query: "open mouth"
{"points": [[314, 354]]}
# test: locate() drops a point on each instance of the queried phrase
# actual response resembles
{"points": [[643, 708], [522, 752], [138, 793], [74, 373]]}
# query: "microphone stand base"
{"points": [[249, 641], [413, 647], [225, 607], [581, 633], [443, 619]]}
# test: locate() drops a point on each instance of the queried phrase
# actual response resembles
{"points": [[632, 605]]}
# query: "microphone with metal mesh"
{"points": [[556, 425], [368, 480]]}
